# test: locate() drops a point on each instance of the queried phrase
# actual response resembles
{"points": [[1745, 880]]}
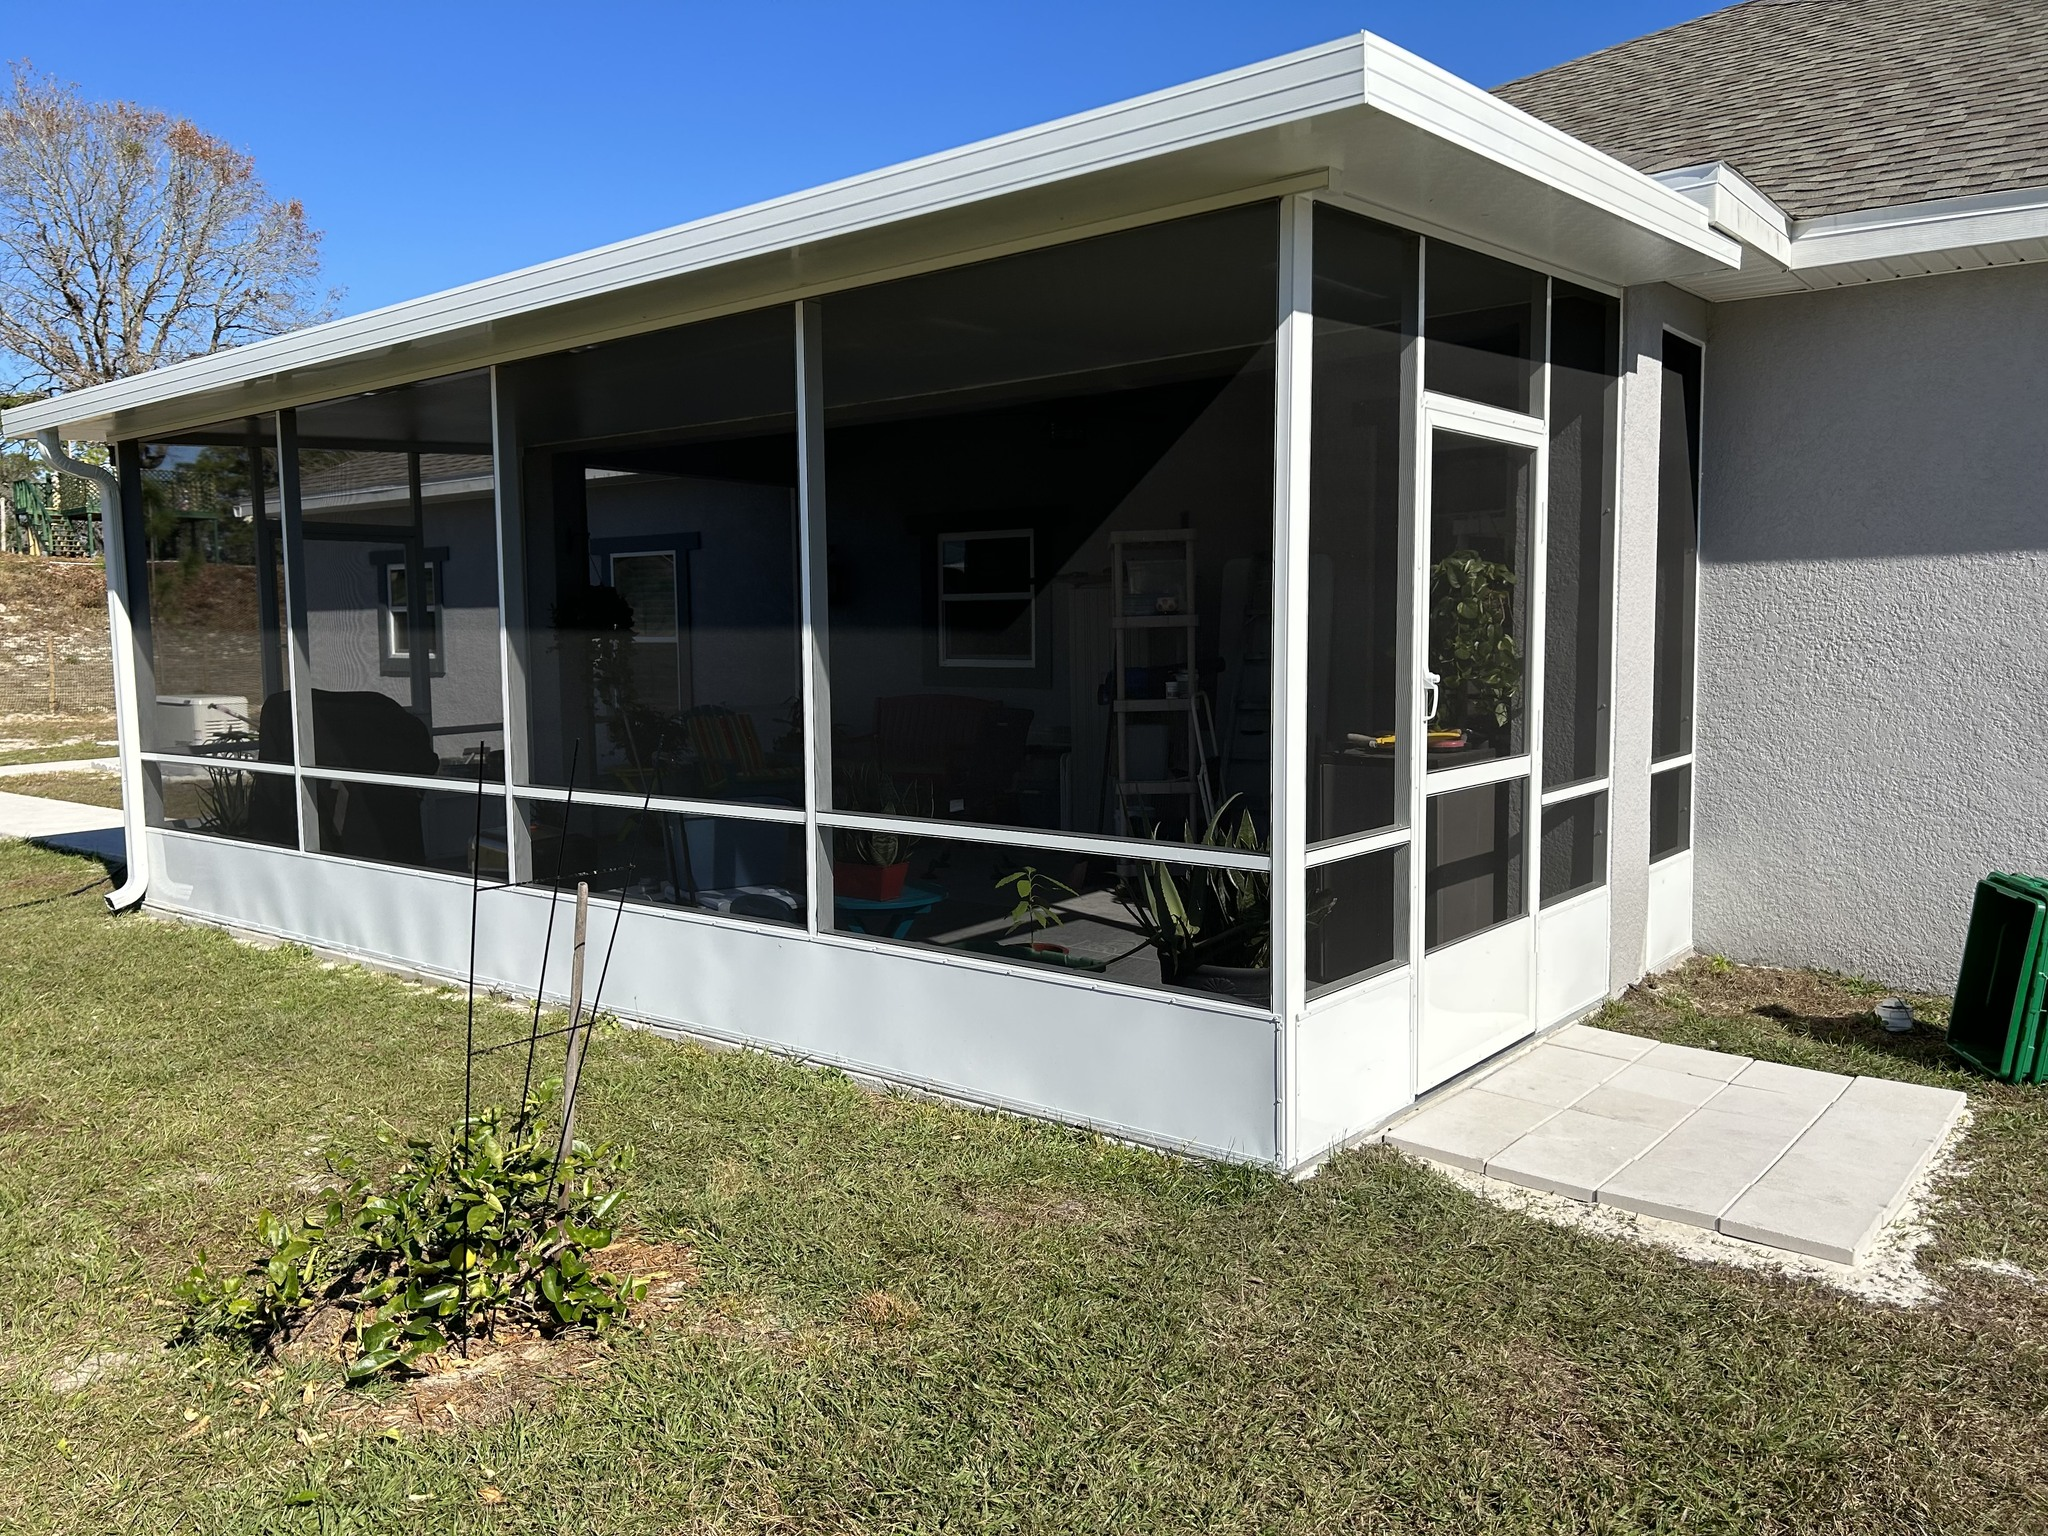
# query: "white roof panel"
{"points": [[1366, 117]]}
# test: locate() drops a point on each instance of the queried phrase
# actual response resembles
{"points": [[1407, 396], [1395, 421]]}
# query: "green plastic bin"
{"points": [[2000, 992]]}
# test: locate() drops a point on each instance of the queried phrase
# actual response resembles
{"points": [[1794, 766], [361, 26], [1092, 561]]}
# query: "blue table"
{"points": [[857, 912]]}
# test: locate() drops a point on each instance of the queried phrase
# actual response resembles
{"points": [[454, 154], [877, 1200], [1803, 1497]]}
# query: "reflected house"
{"points": [[1187, 620]]}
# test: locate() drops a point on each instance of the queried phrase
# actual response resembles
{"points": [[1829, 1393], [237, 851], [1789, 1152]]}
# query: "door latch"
{"points": [[1431, 687]]}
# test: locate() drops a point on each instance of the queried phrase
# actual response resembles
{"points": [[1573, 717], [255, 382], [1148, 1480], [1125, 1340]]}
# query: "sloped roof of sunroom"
{"points": [[1359, 116]]}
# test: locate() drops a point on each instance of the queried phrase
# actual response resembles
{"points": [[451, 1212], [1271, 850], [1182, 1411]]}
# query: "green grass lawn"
{"points": [[55, 738], [84, 786], [909, 1317]]}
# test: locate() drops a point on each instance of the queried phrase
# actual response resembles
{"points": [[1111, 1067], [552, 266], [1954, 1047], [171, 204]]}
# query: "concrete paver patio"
{"points": [[1813, 1162]]}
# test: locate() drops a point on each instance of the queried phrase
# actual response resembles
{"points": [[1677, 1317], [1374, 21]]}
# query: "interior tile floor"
{"points": [[1808, 1161]]}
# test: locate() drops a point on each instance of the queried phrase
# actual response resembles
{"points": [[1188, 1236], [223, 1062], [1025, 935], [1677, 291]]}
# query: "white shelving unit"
{"points": [[1153, 627]]}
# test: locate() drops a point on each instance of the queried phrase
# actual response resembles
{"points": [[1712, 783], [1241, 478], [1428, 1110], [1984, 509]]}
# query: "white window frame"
{"points": [[1028, 597], [390, 652]]}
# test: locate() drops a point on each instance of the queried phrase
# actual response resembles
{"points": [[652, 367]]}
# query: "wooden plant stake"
{"points": [[574, 1068]]}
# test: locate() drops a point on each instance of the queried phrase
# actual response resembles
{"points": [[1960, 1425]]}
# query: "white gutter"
{"points": [[1735, 206], [114, 542], [1917, 229], [1782, 255]]}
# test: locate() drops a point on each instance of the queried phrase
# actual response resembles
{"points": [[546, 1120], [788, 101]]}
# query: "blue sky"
{"points": [[435, 142]]}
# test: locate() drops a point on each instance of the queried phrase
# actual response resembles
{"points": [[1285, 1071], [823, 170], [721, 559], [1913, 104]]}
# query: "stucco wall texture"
{"points": [[1647, 313], [1873, 646]]}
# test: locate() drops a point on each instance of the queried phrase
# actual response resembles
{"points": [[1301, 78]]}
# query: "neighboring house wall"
{"points": [[1874, 619], [1646, 312]]}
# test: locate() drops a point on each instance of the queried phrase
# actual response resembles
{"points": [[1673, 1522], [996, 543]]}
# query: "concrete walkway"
{"points": [[1808, 1161], [87, 829]]}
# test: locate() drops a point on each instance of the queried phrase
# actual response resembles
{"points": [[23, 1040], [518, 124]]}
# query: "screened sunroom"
{"points": [[1118, 622]]}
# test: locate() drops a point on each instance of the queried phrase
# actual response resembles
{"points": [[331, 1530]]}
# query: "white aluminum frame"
{"points": [[1424, 413], [1688, 758], [1436, 413]]}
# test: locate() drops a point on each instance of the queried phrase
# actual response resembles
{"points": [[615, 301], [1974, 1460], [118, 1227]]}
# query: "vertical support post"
{"points": [[1413, 746], [1538, 652], [418, 640], [573, 1072], [267, 595], [133, 653], [298, 659], [811, 563], [1293, 375], [511, 623]]}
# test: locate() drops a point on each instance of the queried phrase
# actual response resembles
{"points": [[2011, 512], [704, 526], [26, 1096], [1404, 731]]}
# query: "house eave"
{"points": [[1920, 239], [1397, 132]]}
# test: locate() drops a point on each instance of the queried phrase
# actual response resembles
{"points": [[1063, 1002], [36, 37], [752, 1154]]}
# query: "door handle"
{"points": [[1432, 686]]}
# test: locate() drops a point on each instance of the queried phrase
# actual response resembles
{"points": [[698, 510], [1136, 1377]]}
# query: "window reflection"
{"points": [[1050, 523], [1364, 305], [749, 869], [1483, 328], [1357, 918], [1574, 847], [1578, 598], [1051, 909], [1474, 879], [397, 507], [215, 606], [1478, 597], [658, 480]]}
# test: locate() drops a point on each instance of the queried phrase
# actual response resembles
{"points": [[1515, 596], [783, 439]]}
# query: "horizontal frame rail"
{"points": [[1148, 849]]}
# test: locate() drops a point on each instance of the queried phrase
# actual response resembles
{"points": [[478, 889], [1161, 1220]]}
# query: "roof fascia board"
{"points": [[533, 333], [1402, 85], [1919, 229], [1290, 88], [1354, 72], [1735, 206]]}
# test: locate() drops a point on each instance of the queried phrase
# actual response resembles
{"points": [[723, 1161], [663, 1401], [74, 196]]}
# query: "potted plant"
{"points": [[1212, 928], [868, 865]]}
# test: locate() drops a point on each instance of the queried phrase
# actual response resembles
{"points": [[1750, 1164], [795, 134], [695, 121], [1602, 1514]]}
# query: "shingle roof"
{"points": [[1826, 105]]}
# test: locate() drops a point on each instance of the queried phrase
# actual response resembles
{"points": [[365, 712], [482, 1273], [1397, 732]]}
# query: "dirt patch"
{"points": [[1815, 1005], [54, 654], [456, 1391], [1539, 1395], [1717, 987], [24, 1115], [94, 1367], [495, 1376], [1026, 1208], [885, 1309]]}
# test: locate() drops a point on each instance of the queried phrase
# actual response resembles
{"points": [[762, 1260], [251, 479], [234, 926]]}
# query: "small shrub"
{"points": [[470, 1233]]}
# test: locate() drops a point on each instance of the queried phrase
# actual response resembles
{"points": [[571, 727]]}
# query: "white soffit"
{"points": [[1869, 245], [1385, 125]]}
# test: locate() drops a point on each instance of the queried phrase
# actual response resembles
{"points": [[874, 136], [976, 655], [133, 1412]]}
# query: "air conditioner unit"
{"points": [[193, 719]]}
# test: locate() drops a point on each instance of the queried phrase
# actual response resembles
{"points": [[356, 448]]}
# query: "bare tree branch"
{"points": [[130, 239]]}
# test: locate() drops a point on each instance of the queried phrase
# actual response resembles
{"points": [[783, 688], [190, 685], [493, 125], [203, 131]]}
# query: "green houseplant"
{"points": [[1472, 641], [867, 865], [1212, 928]]}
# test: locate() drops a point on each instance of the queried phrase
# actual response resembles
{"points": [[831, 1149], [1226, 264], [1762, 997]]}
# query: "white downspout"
{"points": [[127, 723]]}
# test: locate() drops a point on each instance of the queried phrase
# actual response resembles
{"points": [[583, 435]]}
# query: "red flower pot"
{"points": [[869, 882]]}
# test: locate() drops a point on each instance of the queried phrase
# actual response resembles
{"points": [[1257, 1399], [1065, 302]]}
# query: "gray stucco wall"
{"points": [[1873, 619], [1646, 312]]}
